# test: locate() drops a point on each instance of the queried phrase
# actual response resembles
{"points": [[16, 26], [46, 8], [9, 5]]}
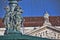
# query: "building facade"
{"points": [[46, 27], [46, 32]]}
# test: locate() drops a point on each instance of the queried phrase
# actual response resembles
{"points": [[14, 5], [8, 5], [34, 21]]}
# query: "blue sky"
{"points": [[36, 7]]}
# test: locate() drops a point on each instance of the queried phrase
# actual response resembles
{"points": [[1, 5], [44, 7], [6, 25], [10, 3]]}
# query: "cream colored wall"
{"points": [[42, 33], [2, 31], [26, 30], [53, 34]]}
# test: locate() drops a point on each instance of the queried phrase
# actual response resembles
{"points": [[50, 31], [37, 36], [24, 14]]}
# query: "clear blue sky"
{"points": [[36, 7]]}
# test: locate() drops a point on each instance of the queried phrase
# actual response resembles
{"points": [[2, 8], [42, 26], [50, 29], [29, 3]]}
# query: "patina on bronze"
{"points": [[13, 19]]}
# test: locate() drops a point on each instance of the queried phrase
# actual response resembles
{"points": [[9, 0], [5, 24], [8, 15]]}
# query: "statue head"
{"points": [[7, 8]]}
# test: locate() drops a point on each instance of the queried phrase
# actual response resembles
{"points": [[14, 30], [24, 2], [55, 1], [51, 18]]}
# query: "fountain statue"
{"points": [[13, 19]]}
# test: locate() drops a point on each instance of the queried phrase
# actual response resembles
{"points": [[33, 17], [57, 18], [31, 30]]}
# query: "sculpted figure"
{"points": [[13, 20], [17, 19], [6, 19]]}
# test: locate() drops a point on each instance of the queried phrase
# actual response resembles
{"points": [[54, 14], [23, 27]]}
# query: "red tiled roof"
{"points": [[33, 21], [55, 21], [37, 21]]}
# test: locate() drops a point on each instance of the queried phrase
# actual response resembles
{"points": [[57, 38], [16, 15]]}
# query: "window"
{"points": [[40, 35], [51, 37], [46, 33], [55, 34], [43, 33], [34, 28]]}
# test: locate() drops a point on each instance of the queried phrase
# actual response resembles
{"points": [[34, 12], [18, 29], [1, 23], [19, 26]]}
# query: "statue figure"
{"points": [[46, 17], [17, 18], [13, 19], [6, 19]]}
